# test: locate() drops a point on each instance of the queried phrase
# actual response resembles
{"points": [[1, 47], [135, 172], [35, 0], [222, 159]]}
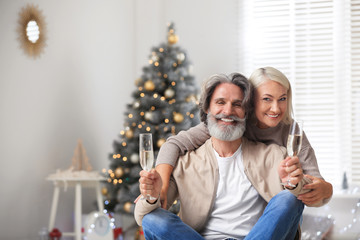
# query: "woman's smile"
{"points": [[270, 104]]}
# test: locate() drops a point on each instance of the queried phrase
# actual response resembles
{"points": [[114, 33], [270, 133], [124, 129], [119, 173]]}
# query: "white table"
{"points": [[78, 184]]}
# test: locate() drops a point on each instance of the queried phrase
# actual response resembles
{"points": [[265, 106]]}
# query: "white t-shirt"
{"points": [[238, 205]]}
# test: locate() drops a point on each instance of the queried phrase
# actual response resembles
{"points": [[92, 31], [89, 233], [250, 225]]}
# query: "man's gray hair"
{"points": [[211, 83]]}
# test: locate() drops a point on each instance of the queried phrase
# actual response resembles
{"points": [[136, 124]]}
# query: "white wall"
{"points": [[80, 86]]}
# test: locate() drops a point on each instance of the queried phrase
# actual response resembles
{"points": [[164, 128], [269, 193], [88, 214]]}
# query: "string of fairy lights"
{"points": [[355, 221]]}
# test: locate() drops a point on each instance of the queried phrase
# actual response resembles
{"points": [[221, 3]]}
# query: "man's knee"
{"points": [[286, 200], [162, 218]]}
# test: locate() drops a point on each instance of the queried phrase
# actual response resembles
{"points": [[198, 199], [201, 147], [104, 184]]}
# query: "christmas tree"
{"points": [[165, 102]]}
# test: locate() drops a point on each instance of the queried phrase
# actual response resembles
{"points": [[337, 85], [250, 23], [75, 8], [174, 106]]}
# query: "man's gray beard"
{"points": [[225, 132]]}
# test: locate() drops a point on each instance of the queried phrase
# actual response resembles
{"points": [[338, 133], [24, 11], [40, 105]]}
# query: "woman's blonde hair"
{"points": [[261, 75]]}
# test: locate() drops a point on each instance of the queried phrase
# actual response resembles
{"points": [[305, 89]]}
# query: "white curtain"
{"points": [[316, 44]]}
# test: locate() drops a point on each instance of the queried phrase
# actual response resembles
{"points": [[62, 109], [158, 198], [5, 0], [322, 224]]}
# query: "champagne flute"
{"points": [[146, 153], [294, 142]]}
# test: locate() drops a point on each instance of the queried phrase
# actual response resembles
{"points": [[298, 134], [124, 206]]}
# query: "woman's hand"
{"points": [[290, 168], [320, 190], [150, 184]]}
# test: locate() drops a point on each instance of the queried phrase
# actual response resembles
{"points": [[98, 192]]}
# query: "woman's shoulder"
{"points": [[256, 145], [259, 150], [277, 135]]}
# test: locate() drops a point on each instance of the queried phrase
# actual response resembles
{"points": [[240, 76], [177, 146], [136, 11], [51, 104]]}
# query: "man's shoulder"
{"points": [[203, 149], [201, 160], [200, 152]]}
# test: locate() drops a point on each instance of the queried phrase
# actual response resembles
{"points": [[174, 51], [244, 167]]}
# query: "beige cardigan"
{"points": [[195, 180]]}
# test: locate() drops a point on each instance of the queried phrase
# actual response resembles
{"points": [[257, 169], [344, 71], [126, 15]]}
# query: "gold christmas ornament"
{"points": [[119, 172], [129, 133], [127, 207], [104, 191], [178, 117], [149, 85], [172, 39], [160, 142]]}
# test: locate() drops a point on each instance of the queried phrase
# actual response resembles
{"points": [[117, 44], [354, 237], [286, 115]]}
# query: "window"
{"points": [[316, 44]]}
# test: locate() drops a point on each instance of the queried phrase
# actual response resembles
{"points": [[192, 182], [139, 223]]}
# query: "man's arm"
{"points": [[150, 183], [171, 150], [165, 171]]}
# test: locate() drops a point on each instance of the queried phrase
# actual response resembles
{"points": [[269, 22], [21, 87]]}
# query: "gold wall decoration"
{"points": [[32, 30]]}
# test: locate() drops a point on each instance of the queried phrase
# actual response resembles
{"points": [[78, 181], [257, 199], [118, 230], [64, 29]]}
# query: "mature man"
{"points": [[229, 188]]}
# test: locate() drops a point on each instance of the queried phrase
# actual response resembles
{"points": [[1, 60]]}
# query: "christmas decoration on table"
{"points": [[55, 234], [79, 169], [80, 160], [165, 101]]}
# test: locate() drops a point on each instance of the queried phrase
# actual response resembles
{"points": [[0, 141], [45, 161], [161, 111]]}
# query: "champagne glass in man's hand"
{"points": [[294, 143], [146, 153]]}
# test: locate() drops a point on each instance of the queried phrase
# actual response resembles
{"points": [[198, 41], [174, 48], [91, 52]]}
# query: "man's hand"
{"points": [[165, 171], [320, 190], [150, 184], [290, 168]]}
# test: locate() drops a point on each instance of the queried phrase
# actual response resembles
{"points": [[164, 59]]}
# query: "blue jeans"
{"points": [[279, 220]]}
